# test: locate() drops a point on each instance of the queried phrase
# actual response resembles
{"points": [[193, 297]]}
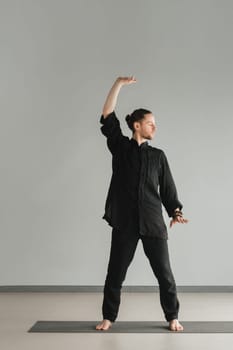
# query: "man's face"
{"points": [[146, 127]]}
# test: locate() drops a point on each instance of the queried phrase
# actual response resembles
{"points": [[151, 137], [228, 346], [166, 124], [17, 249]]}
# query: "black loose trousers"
{"points": [[123, 247]]}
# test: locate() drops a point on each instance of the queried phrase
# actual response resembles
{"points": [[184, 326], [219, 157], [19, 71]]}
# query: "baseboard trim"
{"points": [[96, 289]]}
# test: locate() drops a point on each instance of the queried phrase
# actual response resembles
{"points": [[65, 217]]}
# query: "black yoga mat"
{"points": [[131, 327]]}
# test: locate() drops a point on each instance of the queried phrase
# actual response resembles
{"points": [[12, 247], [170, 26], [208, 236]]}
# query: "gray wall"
{"points": [[58, 61]]}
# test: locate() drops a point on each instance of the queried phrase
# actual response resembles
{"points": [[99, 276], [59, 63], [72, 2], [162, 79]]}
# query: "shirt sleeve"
{"points": [[167, 188], [112, 130]]}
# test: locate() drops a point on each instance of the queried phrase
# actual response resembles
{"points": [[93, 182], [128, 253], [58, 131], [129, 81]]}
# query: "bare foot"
{"points": [[105, 324], [174, 325]]}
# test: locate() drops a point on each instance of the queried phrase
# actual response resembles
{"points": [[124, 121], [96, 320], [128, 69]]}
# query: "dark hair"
{"points": [[137, 115]]}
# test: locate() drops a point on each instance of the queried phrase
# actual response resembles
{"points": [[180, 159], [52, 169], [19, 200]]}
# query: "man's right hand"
{"points": [[126, 80]]}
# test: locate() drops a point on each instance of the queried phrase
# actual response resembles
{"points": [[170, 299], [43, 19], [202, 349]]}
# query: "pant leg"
{"points": [[156, 250], [123, 247]]}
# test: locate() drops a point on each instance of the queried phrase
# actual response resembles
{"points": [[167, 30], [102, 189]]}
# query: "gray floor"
{"points": [[19, 311]]}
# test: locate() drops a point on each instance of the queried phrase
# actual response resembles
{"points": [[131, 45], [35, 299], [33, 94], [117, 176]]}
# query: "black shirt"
{"points": [[133, 200]]}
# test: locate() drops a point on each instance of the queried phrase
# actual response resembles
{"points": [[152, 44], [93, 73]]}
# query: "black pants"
{"points": [[123, 247]]}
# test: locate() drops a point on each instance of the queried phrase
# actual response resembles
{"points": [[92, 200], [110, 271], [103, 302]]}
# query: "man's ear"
{"points": [[136, 125]]}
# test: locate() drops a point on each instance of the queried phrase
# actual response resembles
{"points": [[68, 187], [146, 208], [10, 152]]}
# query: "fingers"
{"points": [[128, 80], [133, 78], [178, 219], [181, 220]]}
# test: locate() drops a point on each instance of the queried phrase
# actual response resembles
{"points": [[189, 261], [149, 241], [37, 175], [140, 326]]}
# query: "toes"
{"points": [[103, 326], [106, 328], [175, 326], [179, 328], [99, 326]]}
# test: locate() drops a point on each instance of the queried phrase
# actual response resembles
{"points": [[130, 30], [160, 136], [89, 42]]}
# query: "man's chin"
{"points": [[149, 137]]}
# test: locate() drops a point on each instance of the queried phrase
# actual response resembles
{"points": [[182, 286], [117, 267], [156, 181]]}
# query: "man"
{"points": [[134, 207]]}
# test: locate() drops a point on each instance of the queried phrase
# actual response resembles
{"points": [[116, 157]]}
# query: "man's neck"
{"points": [[139, 139]]}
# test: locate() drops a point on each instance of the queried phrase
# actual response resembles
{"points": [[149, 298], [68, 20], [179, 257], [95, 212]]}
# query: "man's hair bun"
{"points": [[127, 118]]}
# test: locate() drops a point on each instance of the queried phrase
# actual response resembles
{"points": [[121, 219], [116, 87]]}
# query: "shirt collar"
{"points": [[142, 145]]}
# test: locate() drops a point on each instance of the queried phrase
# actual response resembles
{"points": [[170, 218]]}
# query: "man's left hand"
{"points": [[178, 219]]}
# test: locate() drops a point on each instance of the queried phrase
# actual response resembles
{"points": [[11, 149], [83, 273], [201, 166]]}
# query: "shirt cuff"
{"points": [[175, 204], [108, 118]]}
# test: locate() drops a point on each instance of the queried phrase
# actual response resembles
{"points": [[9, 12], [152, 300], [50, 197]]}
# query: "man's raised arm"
{"points": [[111, 99]]}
